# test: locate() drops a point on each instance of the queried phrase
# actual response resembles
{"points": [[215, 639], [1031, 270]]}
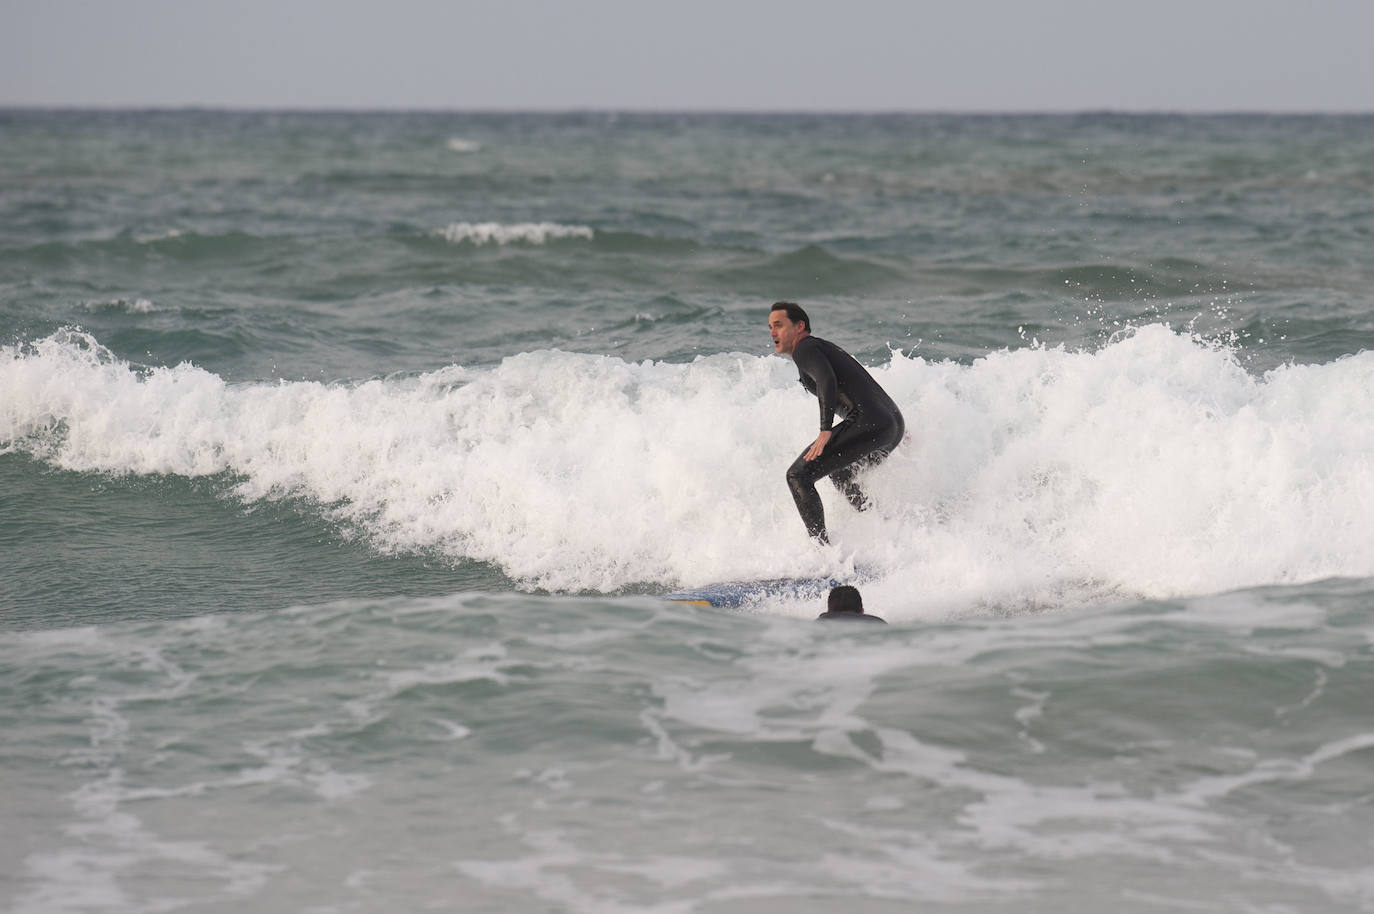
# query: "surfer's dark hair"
{"points": [[795, 313], [844, 599]]}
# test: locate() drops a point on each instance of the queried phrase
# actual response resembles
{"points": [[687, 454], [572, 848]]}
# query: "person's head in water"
{"points": [[844, 599], [845, 602], [788, 324]]}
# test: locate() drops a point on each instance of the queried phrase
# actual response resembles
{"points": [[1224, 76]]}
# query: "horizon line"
{"points": [[705, 110]]}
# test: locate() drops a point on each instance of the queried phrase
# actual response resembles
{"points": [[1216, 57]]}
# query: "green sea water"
{"points": [[345, 458]]}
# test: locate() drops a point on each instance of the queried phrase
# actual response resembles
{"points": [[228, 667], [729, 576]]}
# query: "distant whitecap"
{"points": [[498, 233], [136, 306], [160, 236]]}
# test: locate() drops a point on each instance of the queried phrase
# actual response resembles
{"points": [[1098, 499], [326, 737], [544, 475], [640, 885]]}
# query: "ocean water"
{"points": [[345, 460]]}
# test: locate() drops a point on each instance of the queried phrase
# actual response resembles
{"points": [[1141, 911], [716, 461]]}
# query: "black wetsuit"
{"points": [[849, 616], [872, 426]]}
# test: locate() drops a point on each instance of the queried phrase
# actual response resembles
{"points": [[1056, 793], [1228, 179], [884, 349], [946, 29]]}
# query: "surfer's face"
{"points": [[785, 333]]}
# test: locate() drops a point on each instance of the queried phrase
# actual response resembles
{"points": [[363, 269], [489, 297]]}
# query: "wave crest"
{"points": [[480, 233], [1156, 466]]}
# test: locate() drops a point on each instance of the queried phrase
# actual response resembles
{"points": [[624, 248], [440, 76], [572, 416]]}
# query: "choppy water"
{"points": [[342, 458]]}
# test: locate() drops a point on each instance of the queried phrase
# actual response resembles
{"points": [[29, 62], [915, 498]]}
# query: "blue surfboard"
{"points": [[736, 594]]}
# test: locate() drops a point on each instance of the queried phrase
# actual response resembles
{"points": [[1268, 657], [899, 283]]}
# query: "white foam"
{"points": [[458, 144], [1276, 770], [113, 844], [1156, 466], [137, 306], [160, 236], [451, 731], [334, 785], [523, 232]]}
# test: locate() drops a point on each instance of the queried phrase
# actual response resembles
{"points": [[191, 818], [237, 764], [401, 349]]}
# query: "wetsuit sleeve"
{"points": [[814, 366]]}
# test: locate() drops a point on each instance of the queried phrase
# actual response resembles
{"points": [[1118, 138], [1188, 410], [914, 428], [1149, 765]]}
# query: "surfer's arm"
{"points": [[813, 364]]}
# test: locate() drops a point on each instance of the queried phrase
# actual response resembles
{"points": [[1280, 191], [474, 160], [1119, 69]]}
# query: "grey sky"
{"points": [[951, 55]]}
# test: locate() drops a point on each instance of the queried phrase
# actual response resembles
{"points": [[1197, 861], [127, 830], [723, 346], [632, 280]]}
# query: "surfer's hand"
{"points": [[818, 446]]}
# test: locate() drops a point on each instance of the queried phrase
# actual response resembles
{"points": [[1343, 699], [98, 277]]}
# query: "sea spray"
{"points": [[1154, 466]]}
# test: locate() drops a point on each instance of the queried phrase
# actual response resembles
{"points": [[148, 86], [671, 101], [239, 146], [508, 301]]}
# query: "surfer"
{"points": [[845, 603], [871, 424]]}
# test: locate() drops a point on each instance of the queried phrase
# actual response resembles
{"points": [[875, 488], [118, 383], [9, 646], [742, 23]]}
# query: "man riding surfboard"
{"points": [[871, 424]]}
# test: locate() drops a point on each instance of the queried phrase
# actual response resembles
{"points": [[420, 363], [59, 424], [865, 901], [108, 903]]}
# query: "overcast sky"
{"points": [[862, 55]]}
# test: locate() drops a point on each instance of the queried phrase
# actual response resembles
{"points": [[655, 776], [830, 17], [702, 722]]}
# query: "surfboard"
{"points": [[736, 594]]}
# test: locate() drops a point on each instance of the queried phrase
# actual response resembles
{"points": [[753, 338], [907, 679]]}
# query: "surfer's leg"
{"points": [[861, 447], [803, 474], [802, 483], [851, 448], [845, 479]]}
